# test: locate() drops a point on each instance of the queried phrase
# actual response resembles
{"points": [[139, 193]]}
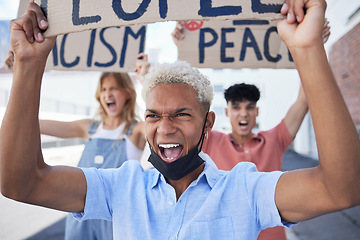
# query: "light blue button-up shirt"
{"points": [[218, 205]]}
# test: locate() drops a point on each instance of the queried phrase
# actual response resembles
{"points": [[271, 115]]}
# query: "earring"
{"points": [[206, 135]]}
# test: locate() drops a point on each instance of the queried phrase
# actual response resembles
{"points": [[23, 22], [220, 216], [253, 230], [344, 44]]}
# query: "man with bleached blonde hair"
{"points": [[185, 196]]}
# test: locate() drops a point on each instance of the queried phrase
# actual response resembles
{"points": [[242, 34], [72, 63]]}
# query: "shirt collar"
{"points": [[210, 173], [254, 136]]}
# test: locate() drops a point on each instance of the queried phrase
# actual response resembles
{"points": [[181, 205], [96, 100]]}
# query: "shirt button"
{"points": [[171, 203], [172, 238]]}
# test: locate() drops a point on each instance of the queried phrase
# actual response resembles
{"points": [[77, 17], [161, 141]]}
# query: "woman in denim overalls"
{"points": [[116, 137]]}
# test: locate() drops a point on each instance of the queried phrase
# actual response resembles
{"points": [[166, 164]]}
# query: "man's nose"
{"points": [[166, 126], [243, 112]]}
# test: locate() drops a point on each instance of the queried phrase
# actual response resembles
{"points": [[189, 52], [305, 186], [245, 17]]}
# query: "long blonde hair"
{"points": [[125, 83]]}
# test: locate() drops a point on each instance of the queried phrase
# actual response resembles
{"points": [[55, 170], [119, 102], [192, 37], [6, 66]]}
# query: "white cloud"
{"points": [[159, 41], [8, 9]]}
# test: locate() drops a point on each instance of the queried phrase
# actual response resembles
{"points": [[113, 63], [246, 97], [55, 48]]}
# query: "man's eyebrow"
{"points": [[176, 111], [183, 109], [236, 103], [150, 110]]}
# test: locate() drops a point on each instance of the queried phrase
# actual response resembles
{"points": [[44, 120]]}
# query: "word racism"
{"points": [[71, 16], [234, 44], [106, 49]]}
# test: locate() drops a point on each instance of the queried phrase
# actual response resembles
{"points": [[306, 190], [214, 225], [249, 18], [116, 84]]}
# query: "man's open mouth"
{"points": [[170, 151], [243, 123]]}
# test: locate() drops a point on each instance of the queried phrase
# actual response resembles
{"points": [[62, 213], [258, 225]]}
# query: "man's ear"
{"points": [[210, 121], [226, 112], [257, 111]]}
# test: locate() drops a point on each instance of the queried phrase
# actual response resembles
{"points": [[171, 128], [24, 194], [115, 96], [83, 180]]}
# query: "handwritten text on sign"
{"points": [[234, 44], [104, 49], [77, 15]]}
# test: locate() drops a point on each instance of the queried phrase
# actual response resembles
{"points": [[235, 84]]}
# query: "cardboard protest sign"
{"points": [[67, 16], [234, 44], [104, 49], [22, 7]]}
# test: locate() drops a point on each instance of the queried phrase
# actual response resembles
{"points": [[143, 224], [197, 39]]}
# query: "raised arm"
{"points": [[142, 66], [24, 175], [298, 110], [73, 129], [178, 33], [296, 114], [9, 61], [334, 184]]}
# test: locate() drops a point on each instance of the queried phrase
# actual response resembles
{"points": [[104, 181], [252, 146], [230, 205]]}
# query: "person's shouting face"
{"points": [[174, 120]]}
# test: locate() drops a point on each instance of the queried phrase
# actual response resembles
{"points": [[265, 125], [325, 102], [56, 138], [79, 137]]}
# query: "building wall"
{"points": [[344, 59]]}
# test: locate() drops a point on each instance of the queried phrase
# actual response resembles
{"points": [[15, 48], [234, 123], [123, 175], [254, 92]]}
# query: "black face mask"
{"points": [[182, 166]]}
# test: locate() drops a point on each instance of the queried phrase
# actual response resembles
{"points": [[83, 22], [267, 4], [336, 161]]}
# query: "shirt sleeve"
{"points": [[107, 187], [261, 192], [282, 136], [286, 135], [99, 194]]}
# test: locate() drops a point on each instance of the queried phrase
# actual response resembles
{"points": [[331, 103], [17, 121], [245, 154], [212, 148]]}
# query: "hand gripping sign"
{"points": [[102, 49]]}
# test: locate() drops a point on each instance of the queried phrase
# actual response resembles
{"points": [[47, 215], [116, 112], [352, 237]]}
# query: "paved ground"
{"points": [[22, 221]]}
